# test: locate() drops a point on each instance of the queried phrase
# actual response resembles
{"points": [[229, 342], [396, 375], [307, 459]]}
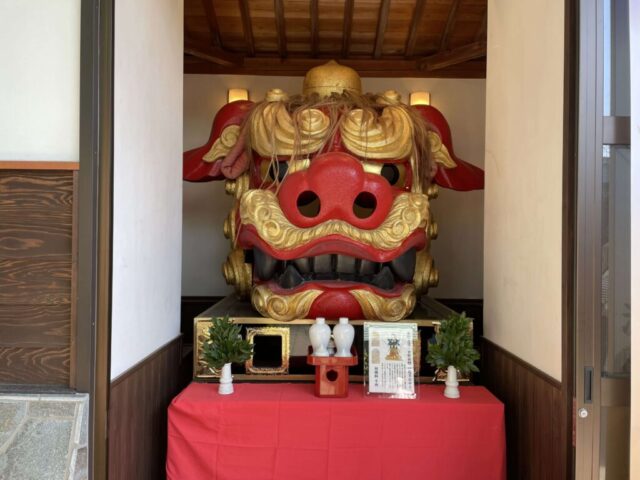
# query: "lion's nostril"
{"points": [[308, 204], [364, 205]]}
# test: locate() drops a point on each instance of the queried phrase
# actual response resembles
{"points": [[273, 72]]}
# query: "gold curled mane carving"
{"points": [[376, 307], [261, 209]]}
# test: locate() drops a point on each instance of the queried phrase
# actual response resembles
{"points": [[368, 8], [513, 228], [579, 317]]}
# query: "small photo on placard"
{"points": [[389, 359]]}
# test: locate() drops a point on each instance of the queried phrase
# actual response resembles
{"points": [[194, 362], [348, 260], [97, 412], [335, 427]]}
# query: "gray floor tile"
{"points": [[52, 409], [11, 414], [38, 452]]}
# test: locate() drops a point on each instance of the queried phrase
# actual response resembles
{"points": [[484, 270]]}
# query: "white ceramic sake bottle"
{"points": [[226, 380], [451, 384], [319, 335], [343, 334]]}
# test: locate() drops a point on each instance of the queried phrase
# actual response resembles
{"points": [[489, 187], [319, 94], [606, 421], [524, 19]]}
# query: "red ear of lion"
{"points": [[196, 169], [464, 176]]}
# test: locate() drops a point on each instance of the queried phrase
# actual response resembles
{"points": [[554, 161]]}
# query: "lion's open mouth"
{"points": [[291, 274]]}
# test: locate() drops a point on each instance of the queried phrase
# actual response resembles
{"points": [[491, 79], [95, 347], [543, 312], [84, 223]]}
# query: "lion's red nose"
{"points": [[335, 186]]}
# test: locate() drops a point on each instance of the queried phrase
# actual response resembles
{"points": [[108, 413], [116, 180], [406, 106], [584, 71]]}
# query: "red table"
{"points": [[282, 431]]}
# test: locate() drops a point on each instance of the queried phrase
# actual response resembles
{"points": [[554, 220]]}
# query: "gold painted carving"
{"points": [[283, 308], [330, 78], [298, 165], [223, 144], [426, 274], [261, 209], [273, 130], [238, 273], [387, 136], [283, 332], [376, 307], [439, 151], [238, 186]]}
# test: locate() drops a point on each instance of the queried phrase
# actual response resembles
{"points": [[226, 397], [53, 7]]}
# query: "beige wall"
{"points": [[39, 79], [147, 196], [523, 164], [634, 16], [458, 250]]}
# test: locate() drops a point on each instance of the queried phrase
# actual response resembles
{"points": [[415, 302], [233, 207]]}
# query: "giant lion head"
{"points": [[332, 189]]}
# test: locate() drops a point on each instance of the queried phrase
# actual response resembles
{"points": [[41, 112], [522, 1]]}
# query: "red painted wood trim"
{"points": [[37, 165]]}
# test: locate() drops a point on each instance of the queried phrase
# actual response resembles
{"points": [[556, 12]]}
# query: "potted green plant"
{"points": [[222, 347], [453, 350]]}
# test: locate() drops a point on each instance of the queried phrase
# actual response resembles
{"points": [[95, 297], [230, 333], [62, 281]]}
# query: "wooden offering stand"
{"points": [[332, 374]]}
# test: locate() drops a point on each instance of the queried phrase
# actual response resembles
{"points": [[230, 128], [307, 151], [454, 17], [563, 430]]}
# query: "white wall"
{"points": [[458, 250], [39, 79], [634, 19], [147, 220], [523, 166]]}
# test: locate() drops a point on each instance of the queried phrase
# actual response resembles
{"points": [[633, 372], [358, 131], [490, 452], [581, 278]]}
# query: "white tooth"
{"points": [[346, 264], [322, 264]]}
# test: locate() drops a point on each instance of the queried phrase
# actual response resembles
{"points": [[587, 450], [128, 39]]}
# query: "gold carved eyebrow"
{"points": [[389, 135], [273, 130]]}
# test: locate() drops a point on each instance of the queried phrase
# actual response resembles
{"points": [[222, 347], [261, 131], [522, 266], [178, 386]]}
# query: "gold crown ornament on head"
{"points": [[330, 78]]}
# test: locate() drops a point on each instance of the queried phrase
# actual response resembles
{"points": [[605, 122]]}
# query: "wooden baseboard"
{"points": [[537, 439], [137, 419]]}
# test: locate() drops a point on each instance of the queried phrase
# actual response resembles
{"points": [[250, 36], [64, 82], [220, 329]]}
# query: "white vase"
{"points": [[319, 335], [343, 334], [226, 380], [451, 385]]}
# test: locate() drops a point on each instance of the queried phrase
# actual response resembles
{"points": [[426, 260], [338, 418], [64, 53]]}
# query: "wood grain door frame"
{"points": [[95, 187]]}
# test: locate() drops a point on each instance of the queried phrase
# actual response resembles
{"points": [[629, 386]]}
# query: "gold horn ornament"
{"points": [[330, 78]]}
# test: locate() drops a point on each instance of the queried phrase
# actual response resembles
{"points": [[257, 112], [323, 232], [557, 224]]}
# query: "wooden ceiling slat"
{"points": [[383, 18], [278, 7], [451, 20], [245, 14], [413, 31], [454, 56], [212, 21], [313, 15], [346, 27], [439, 38]]}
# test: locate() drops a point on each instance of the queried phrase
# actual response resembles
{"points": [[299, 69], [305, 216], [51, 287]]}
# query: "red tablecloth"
{"points": [[282, 431]]}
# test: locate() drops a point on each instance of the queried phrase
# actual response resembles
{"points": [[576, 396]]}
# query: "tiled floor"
{"points": [[43, 437]]}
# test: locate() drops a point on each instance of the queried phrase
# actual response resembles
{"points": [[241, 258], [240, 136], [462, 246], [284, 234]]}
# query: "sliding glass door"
{"points": [[603, 243]]}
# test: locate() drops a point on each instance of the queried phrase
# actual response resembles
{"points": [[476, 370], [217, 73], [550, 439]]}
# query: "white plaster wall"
{"points": [[39, 79], [147, 218], [523, 166], [458, 250], [634, 19]]}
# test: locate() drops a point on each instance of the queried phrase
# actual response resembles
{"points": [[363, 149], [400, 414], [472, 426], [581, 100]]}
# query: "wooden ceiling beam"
{"points": [[313, 16], [453, 57], [383, 17], [295, 66], [278, 8], [245, 14], [346, 27], [451, 20], [211, 54], [413, 30], [212, 22]]}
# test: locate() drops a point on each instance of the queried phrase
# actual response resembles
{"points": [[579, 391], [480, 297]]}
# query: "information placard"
{"points": [[389, 359]]}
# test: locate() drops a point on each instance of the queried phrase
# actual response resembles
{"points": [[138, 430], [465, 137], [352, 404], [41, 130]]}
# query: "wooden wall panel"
{"points": [[138, 404], [36, 276], [537, 441]]}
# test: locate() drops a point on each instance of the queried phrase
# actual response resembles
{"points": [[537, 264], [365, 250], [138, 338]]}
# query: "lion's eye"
{"points": [[394, 173]]}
